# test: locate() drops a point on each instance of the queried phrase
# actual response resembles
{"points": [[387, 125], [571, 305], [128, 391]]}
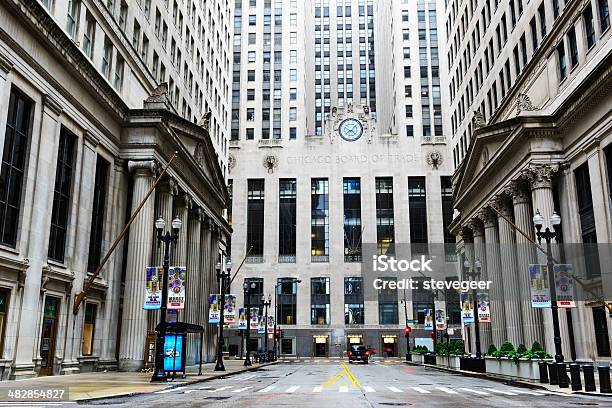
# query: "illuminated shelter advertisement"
{"points": [[173, 352]]}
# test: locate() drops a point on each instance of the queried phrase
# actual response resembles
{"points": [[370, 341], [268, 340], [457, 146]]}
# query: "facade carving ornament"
{"points": [[484, 156], [434, 159], [501, 203], [478, 120], [476, 226], [196, 212], [231, 161], [487, 216], [185, 200], [159, 94], [199, 154], [205, 120], [523, 103], [517, 191], [270, 162], [169, 186], [540, 175], [150, 165]]}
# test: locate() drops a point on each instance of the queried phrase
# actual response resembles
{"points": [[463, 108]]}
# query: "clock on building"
{"points": [[350, 129]]}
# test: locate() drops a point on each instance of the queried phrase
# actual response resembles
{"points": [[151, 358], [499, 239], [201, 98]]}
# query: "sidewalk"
{"points": [[517, 382], [88, 386]]}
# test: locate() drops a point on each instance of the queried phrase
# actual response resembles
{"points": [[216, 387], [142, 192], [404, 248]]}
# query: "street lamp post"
{"points": [[159, 375], [247, 296], [222, 275], [407, 329], [548, 235], [474, 273], [266, 302]]}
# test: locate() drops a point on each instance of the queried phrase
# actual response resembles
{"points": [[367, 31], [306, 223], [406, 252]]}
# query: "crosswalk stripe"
{"points": [[242, 389], [526, 392], [248, 377], [267, 389], [500, 391], [560, 394], [292, 389], [368, 389], [170, 390], [421, 390], [227, 387], [343, 388], [317, 389], [395, 389], [474, 391], [446, 390]]}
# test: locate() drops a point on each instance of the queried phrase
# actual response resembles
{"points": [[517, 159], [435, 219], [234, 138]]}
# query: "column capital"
{"points": [[488, 217], [518, 192], [196, 213], [466, 234], [168, 186], [184, 200], [502, 204], [476, 226], [135, 166], [540, 175]]}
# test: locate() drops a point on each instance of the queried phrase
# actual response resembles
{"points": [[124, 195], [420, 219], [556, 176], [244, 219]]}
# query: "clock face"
{"points": [[350, 129]]}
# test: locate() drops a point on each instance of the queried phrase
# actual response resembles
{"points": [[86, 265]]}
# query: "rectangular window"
{"points": [[319, 221], [107, 57], [4, 299], [385, 228], [119, 73], [352, 219], [589, 26], [74, 11], [89, 35], [417, 203], [604, 14], [562, 61], [587, 221], [89, 326], [96, 235], [447, 215], [602, 336], [542, 15], [61, 196], [319, 301], [16, 141], [573, 47], [287, 196], [353, 300], [387, 305], [255, 217], [286, 292]]}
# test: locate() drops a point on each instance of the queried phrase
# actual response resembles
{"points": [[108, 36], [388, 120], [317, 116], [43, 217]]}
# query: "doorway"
{"points": [[389, 346], [48, 335], [320, 346]]}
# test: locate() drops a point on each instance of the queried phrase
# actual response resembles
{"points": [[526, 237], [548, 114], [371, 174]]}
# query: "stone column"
{"points": [[531, 319], [165, 192], [468, 245], [193, 275], [205, 289], [212, 282], [509, 272], [496, 292], [140, 244], [539, 177], [480, 254]]}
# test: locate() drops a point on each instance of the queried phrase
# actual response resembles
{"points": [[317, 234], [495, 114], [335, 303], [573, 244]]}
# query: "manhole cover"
{"points": [[217, 398], [395, 404], [585, 403]]}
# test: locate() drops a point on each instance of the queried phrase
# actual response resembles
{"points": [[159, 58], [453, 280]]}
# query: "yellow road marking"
{"points": [[346, 372]]}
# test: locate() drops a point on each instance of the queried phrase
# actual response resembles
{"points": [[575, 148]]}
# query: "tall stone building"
{"points": [[338, 147], [95, 97], [530, 117]]}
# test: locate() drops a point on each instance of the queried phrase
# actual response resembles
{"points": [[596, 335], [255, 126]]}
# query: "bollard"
{"points": [[589, 377], [543, 372], [562, 373], [604, 379], [575, 374], [553, 373]]}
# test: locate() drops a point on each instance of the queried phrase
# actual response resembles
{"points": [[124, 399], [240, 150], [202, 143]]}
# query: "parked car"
{"points": [[358, 353]]}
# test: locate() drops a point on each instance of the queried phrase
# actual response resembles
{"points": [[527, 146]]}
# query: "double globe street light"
{"points": [[223, 274], [167, 238], [473, 273]]}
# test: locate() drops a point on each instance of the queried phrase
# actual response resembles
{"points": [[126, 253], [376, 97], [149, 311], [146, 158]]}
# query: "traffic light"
{"points": [[407, 331]]}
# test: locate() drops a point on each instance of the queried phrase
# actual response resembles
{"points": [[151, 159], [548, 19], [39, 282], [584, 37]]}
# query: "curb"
{"points": [[172, 386], [518, 383]]}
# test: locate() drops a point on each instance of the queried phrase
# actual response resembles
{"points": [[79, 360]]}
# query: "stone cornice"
{"points": [[52, 105], [5, 66]]}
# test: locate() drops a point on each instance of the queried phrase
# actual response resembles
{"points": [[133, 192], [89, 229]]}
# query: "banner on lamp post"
{"points": [[177, 275], [429, 323], [538, 281], [270, 324], [564, 285], [484, 313], [440, 319], [261, 329], [214, 314], [242, 319], [229, 315], [153, 287], [254, 317], [467, 308]]}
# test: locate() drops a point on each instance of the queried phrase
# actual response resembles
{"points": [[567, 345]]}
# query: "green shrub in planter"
{"points": [[521, 348], [420, 350], [442, 349], [456, 347], [492, 350]]}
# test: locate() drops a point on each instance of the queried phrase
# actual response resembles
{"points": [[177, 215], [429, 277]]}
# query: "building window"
{"points": [[287, 300], [385, 228], [453, 303], [421, 299], [107, 57], [61, 196], [256, 291], [319, 212], [562, 61], [542, 15], [589, 26], [287, 196], [319, 301], [4, 299], [573, 47], [410, 130], [89, 35], [387, 305], [89, 328], [352, 219], [74, 11], [353, 300], [96, 234], [255, 217], [292, 133], [250, 134], [417, 211], [447, 215], [604, 14], [602, 335], [119, 73], [13, 165], [587, 221]]}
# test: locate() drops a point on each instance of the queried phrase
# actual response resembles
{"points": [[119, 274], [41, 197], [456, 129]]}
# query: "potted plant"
{"points": [[516, 363]]}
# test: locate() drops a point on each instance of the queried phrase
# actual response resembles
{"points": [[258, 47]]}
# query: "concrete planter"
{"points": [[448, 361], [523, 369], [417, 358]]}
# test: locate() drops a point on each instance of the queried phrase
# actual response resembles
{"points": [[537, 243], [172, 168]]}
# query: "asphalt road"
{"points": [[323, 384]]}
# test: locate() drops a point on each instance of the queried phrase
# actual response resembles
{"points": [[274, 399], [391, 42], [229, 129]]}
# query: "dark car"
{"points": [[358, 353]]}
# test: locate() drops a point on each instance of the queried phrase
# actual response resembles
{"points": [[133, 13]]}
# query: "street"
{"points": [[329, 383]]}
